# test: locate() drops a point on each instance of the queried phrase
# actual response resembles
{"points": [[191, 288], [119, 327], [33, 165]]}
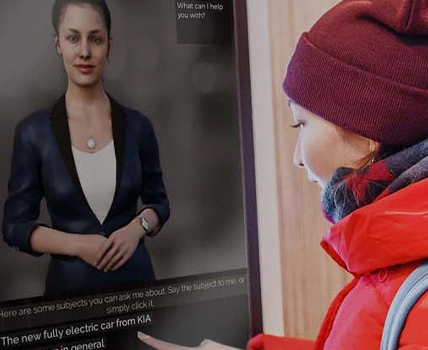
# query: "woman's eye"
{"points": [[96, 40], [297, 125], [73, 38]]}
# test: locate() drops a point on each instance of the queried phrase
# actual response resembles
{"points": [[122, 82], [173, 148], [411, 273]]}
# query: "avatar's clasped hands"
{"points": [[87, 247], [109, 253], [117, 249]]}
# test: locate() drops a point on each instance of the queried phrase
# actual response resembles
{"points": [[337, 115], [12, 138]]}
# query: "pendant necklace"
{"points": [[91, 143]]}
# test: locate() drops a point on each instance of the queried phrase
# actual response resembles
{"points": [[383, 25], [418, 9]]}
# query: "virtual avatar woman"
{"points": [[91, 159]]}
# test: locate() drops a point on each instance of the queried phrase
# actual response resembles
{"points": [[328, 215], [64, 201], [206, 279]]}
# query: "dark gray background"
{"points": [[189, 93]]}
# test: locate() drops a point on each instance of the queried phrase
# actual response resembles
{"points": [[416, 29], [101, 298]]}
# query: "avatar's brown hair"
{"points": [[99, 5]]}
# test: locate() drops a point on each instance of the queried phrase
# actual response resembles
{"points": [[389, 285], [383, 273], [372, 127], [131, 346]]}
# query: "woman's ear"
{"points": [[110, 42], [373, 146], [58, 48]]}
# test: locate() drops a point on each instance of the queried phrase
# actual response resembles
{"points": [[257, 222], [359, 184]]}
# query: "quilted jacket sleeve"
{"points": [[414, 335]]}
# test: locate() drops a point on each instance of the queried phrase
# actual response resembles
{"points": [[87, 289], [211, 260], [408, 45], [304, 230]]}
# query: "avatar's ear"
{"points": [[110, 42], [58, 48]]}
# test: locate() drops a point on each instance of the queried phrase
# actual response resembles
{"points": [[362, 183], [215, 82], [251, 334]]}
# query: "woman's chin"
{"points": [[86, 82]]}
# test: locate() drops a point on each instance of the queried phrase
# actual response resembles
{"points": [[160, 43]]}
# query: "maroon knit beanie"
{"points": [[364, 67]]}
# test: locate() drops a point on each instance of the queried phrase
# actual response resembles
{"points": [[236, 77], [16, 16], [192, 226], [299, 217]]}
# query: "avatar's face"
{"points": [[322, 147], [84, 44]]}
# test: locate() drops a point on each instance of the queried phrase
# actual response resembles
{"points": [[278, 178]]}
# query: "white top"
{"points": [[97, 175]]}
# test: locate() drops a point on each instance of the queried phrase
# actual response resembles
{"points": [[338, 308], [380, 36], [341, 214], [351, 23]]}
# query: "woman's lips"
{"points": [[85, 68]]}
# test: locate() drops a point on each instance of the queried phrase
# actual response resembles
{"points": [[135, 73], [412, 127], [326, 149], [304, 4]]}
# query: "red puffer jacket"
{"points": [[380, 244]]}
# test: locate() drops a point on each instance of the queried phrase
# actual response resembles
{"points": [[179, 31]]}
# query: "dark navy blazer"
{"points": [[43, 166]]}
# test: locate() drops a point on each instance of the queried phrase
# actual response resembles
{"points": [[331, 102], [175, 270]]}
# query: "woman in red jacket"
{"points": [[358, 89]]}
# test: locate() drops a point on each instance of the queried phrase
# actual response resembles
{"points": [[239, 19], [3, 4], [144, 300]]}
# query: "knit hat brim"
{"points": [[355, 99]]}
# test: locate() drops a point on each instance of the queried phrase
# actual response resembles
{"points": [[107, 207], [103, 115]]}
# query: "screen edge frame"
{"points": [[248, 164]]}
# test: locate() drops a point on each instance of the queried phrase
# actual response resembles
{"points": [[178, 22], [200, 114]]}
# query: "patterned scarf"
{"points": [[349, 189]]}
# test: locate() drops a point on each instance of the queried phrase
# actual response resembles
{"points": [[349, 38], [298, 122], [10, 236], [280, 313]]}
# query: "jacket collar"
{"points": [[61, 133], [390, 231]]}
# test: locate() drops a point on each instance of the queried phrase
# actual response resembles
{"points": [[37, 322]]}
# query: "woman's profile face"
{"points": [[322, 147], [84, 44]]}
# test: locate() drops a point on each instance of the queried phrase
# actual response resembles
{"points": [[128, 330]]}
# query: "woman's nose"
{"points": [[297, 155], [85, 50]]}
